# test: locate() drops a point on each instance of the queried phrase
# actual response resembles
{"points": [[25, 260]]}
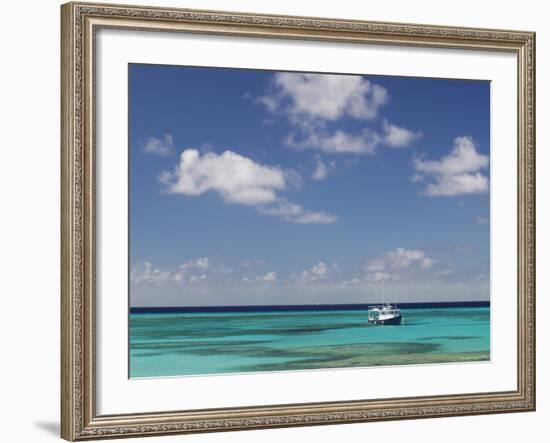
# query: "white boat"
{"points": [[385, 314]]}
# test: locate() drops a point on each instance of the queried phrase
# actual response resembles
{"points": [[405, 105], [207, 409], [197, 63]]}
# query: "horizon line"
{"points": [[308, 306]]}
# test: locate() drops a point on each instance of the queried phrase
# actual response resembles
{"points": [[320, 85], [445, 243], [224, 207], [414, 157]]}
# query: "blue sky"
{"points": [[263, 187]]}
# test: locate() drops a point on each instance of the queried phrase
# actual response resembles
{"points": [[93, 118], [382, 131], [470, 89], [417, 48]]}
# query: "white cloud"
{"points": [[317, 218], [271, 103], [268, 277], [399, 264], [482, 220], [352, 282], [199, 263], [191, 271], [238, 179], [322, 169], [294, 213], [462, 159], [163, 146], [452, 185], [399, 258], [325, 96], [339, 142], [397, 137], [311, 102], [202, 263], [147, 273], [320, 271], [457, 173]]}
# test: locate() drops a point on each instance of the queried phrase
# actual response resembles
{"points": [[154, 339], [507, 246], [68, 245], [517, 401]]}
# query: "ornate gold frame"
{"points": [[79, 420]]}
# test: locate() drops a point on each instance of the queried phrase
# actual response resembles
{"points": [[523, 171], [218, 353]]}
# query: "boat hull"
{"points": [[388, 321]]}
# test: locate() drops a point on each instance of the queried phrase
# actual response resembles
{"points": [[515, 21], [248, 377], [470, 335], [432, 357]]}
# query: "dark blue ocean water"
{"points": [[194, 341]]}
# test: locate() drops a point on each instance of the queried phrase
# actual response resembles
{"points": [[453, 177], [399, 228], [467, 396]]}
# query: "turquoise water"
{"points": [[169, 344]]}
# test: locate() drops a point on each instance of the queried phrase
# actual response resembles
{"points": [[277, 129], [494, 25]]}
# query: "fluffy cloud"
{"points": [[462, 159], [457, 173], [397, 264], [294, 213], [322, 169], [351, 283], [399, 258], [192, 271], [337, 142], [200, 263], [163, 146], [148, 273], [268, 277], [340, 142], [397, 137], [325, 96], [452, 185], [320, 271], [238, 179], [312, 102]]}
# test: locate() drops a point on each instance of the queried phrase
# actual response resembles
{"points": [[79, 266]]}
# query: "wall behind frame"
{"points": [[29, 225]]}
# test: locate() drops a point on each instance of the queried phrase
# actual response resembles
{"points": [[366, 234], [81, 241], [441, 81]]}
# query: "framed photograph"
{"points": [[277, 221]]}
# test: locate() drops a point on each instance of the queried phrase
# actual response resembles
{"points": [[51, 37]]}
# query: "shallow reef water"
{"points": [[173, 344]]}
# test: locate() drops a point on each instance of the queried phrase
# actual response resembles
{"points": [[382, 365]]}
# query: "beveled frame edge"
{"points": [[78, 418]]}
